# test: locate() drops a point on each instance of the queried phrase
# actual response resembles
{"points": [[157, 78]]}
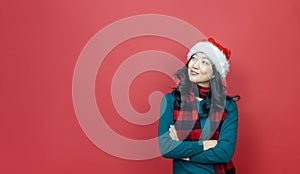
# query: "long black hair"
{"points": [[216, 96]]}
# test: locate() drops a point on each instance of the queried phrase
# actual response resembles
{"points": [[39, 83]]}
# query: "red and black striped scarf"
{"points": [[188, 127]]}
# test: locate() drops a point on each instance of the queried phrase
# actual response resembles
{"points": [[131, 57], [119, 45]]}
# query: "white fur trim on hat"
{"points": [[216, 56]]}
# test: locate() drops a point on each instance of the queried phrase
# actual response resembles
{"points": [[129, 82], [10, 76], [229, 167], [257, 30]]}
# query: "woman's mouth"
{"points": [[193, 73]]}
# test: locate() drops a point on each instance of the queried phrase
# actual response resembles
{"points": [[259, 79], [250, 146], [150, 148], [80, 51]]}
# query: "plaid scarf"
{"points": [[188, 127]]}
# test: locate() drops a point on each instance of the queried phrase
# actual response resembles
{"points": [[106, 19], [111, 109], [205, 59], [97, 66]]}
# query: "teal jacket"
{"points": [[201, 162]]}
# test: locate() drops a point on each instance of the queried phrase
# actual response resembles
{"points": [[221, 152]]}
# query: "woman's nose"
{"points": [[196, 65]]}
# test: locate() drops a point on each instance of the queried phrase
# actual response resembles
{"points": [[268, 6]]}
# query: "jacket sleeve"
{"points": [[223, 151], [170, 148]]}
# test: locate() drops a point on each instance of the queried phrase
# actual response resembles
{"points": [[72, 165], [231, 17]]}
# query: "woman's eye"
{"points": [[204, 62]]}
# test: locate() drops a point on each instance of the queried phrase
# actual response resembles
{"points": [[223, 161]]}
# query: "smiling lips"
{"points": [[193, 73]]}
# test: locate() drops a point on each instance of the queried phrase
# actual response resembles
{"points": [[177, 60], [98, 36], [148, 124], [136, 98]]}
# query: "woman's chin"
{"points": [[193, 80]]}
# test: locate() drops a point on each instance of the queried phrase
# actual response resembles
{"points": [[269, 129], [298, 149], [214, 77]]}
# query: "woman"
{"points": [[198, 122]]}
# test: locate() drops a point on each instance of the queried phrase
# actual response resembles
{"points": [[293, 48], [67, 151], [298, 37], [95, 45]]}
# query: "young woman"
{"points": [[198, 121]]}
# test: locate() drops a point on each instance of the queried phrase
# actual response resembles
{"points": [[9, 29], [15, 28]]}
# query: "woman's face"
{"points": [[200, 69]]}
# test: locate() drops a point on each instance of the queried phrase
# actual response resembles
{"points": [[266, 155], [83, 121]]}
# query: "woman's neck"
{"points": [[204, 84]]}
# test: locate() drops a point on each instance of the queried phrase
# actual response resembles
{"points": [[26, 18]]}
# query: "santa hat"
{"points": [[216, 53]]}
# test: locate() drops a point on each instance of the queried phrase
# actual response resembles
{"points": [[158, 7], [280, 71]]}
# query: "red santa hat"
{"points": [[217, 54]]}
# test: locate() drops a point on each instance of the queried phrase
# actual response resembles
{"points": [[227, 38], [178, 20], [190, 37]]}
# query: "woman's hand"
{"points": [[207, 144], [173, 133]]}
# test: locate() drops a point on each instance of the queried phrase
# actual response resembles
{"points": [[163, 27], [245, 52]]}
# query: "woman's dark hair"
{"points": [[216, 96]]}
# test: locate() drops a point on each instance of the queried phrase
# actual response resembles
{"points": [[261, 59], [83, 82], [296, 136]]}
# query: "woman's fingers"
{"points": [[209, 144], [173, 133], [213, 143], [186, 159]]}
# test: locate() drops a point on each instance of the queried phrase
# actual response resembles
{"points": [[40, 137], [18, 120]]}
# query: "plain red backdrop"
{"points": [[41, 42]]}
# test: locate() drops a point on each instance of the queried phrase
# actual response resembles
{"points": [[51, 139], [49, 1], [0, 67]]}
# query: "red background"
{"points": [[41, 42]]}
